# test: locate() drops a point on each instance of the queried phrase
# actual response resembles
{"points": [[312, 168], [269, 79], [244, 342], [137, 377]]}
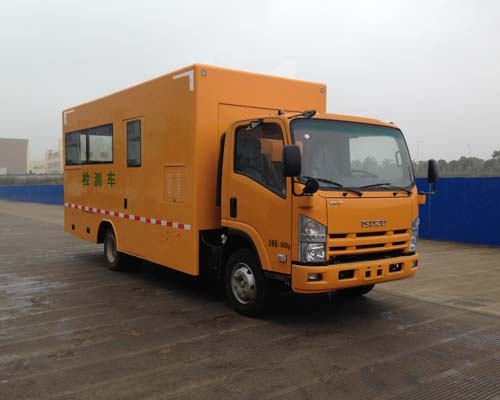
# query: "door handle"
{"points": [[233, 207]]}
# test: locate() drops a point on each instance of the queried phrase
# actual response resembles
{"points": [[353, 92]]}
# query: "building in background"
{"points": [[54, 160], [36, 167], [13, 156], [51, 164]]}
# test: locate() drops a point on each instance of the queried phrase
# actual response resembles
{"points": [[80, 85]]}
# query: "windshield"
{"points": [[352, 155]]}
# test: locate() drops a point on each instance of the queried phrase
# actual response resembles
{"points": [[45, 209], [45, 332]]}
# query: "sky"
{"points": [[430, 66]]}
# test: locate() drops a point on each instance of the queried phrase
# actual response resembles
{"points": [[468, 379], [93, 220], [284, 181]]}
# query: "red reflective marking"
{"points": [[153, 221]]}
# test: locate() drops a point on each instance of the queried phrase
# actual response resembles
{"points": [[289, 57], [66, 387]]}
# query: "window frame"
{"points": [[236, 170], [127, 123], [77, 144], [87, 132]]}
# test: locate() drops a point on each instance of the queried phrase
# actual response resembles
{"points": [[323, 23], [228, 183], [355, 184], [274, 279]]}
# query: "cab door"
{"points": [[255, 199]]}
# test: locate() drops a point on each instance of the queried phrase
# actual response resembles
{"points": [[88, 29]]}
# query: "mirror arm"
{"points": [[294, 192], [432, 190], [304, 193]]}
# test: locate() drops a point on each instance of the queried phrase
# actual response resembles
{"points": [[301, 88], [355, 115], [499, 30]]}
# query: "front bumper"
{"points": [[343, 276]]}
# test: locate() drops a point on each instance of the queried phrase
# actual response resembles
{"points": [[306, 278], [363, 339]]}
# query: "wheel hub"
{"points": [[243, 283]]}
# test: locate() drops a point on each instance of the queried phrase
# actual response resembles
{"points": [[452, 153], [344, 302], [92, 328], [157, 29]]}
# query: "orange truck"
{"points": [[245, 177]]}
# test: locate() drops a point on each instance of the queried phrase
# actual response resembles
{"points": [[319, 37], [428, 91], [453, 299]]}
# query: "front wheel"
{"points": [[114, 258], [246, 286]]}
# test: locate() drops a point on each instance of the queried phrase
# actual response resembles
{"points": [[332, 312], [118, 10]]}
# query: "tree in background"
{"points": [[463, 167]]}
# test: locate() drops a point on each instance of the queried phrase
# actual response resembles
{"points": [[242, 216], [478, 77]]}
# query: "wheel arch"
{"points": [[104, 225], [238, 240]]}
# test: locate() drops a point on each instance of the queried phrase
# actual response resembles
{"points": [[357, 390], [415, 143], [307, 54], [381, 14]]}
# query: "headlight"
{"points": [[312, 240], [414, 234]]}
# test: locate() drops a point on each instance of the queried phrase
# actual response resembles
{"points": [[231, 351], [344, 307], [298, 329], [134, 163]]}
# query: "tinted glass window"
{"points": [[76, 148], [258, 155], [90, 146], [100, 142], [352, 154], [134, 143]]}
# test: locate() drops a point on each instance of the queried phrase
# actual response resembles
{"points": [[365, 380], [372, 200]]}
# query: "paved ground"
{"points": [[70, 329]]}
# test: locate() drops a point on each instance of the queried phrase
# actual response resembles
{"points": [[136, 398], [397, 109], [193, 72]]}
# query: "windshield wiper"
{"points": [[336, 184], [387, 184]]}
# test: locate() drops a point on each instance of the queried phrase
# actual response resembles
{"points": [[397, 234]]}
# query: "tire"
{"points": [[246, 286], [113, 258], [356, 291]]}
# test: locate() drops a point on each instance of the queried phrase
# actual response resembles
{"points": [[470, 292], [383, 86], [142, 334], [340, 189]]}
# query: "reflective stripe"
{"points": [[131, 217]]}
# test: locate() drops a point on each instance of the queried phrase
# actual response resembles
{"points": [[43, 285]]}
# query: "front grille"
{"points": [[358, 245], [366, 257], [370, 246], [369, 234]]}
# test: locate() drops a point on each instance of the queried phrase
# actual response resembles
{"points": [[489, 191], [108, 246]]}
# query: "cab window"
{"points": [[258, 155]]}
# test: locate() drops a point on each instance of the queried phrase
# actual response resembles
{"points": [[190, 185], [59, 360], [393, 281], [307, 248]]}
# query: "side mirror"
{"points": [[292, 160], [432, 178], [432, 172]]}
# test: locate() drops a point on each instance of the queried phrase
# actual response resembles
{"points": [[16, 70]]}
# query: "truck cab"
{"points": [[322, 202]]}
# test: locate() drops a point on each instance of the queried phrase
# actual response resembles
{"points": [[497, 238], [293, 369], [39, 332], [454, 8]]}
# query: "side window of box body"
{"points": [[134, 129], [90, 146]]}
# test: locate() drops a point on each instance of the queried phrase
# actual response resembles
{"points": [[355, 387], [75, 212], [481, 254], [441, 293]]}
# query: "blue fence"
{"points": [[462, 210], [48, 194]]}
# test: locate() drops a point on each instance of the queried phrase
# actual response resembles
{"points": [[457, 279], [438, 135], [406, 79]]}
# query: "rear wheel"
{"points": [[246, 286], [114, 258], [356, 291]]}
